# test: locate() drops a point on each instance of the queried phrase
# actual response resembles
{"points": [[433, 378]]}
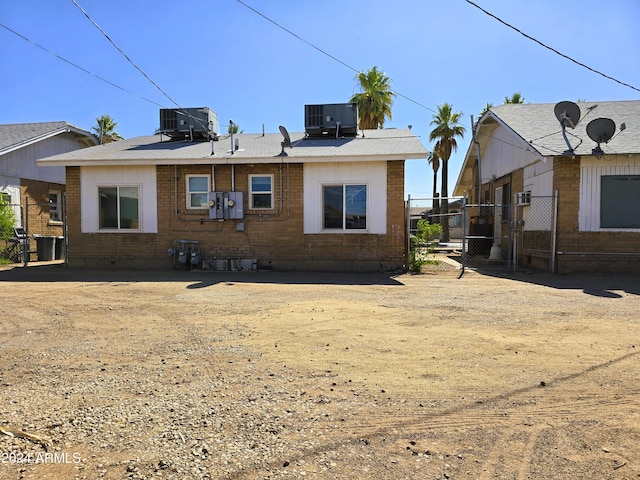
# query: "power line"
{"points": [[59, 57], [551, 48], [182, 109], [315, 47], [125, 55]]}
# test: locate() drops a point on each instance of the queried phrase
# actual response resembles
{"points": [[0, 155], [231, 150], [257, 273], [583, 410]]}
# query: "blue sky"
{"points": [[222, 55]]}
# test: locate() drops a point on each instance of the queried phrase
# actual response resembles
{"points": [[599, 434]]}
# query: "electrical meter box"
{"points": [[226, 205]]}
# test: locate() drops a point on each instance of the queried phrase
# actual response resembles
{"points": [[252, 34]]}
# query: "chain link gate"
{"points": [[489, 236], [448, 246], [14, 241]]}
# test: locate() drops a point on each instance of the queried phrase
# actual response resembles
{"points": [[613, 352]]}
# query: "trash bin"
{"points": [[46, 247], [59, 253]]}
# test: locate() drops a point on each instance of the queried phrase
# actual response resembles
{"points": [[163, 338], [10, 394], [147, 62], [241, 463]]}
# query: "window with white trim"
{"points": [[119, 207], [55, 206], [261, 192], [344, 207], [198, 188]]}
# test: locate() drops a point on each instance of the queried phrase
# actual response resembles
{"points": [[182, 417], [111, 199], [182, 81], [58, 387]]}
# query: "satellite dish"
{"points": [[285, 134], [600, 130], [286, 140], [567, 113]]}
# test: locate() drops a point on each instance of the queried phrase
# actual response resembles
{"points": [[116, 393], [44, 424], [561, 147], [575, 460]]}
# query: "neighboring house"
{"points": [[328, 202], [525, 161], [21, 178]]}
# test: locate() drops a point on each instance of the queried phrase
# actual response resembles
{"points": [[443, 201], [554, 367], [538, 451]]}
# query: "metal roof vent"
{"points": [[331, 120], [189, 123]]}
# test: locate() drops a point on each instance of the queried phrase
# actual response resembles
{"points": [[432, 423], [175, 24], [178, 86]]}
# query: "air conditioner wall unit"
{"points": [[523, 198]]}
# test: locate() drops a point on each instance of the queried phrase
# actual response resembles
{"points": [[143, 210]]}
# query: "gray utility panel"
{"points": [[224, 205]]}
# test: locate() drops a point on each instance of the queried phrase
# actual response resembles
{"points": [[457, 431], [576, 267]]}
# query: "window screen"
{"points": [[619, 200]]}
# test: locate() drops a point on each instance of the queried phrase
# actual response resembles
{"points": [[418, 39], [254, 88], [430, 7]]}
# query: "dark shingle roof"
{"points": [[537, 125], [16, 135]]}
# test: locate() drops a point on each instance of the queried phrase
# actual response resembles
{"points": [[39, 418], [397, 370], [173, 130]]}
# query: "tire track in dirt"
{"points": [[519, 429], [510, 456]]}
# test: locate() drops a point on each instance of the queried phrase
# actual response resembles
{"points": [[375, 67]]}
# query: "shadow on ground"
{"points": [[198, 278], [599, 285]]}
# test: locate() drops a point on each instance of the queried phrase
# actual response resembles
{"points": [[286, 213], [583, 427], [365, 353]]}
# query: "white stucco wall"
{"points": [[373, 174], [142, 176]]}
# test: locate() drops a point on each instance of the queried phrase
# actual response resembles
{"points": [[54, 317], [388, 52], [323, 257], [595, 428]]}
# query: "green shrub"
{"points": [[422, 244], [7, 219]]}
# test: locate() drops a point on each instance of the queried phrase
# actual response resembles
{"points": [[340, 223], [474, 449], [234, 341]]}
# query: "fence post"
{"points": [[554, 233], [408, 217], [464, 233], [64, 228], [514, 222], [27, 248]]}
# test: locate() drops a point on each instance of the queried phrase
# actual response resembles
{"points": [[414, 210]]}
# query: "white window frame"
{"points": [[344, 228], [55, 208], [188, 193], [119, 228], [252, 193]]}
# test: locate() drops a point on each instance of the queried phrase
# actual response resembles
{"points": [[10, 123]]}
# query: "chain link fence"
{"points": [[38, 234], [535, 231], [488, 237], [447, 246], [14, 242]]}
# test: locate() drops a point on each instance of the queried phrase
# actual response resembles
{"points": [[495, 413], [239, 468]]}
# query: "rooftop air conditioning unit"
{"points": [[189, 123], [333, 120]]}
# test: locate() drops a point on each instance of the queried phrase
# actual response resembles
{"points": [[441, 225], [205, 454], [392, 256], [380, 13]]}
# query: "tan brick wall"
{"points": [[274, 237], [588, 251], [35, 194]]}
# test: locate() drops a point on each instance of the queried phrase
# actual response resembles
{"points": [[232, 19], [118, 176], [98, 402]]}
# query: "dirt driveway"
{"points": [[287, 375]]}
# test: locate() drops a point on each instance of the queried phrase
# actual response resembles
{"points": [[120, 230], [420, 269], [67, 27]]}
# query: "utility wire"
{"points": [[125, 55], [182, 109], [551, 48], [77, 66], [315, 47]]}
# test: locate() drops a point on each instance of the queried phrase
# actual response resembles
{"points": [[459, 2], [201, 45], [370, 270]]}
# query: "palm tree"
{"points": [[515, 98], [234, 128], [434, 160], [374, 103], [486, 108], [105, 130], [446, 128]]}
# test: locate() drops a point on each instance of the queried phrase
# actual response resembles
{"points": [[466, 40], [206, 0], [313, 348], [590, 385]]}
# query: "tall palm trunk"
{"points": [[447, 128], [444, 201], [435, 211]]}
